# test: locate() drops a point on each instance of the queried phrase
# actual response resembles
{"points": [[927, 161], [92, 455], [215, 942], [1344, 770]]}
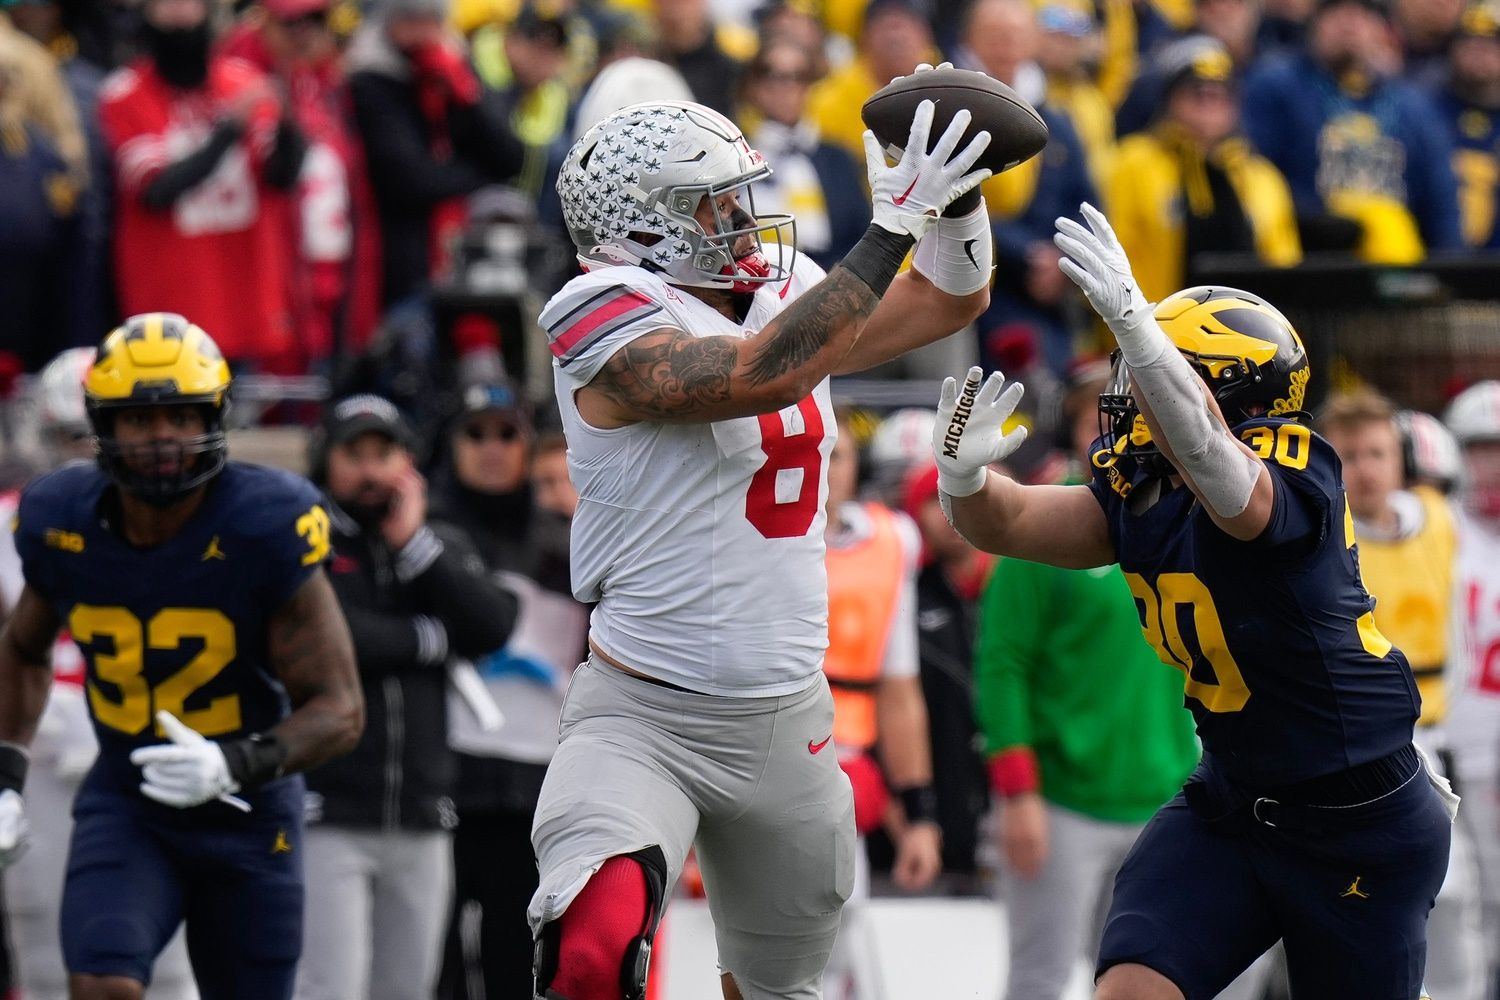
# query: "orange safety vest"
{"points": [[864, 586]]}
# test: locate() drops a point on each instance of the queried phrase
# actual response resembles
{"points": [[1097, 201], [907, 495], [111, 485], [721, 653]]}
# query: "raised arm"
{"points": [[920, 310], [672, 375], [1232, 483], [1058, 525]]}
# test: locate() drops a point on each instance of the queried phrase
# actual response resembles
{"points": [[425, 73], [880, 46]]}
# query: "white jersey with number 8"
{"points": [[702, 542]]}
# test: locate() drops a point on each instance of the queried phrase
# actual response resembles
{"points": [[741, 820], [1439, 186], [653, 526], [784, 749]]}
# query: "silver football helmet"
{"points": [[61, 412], [630, 188]]}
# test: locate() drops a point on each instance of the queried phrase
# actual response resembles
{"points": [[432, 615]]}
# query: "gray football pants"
{"points": [[639, 764]]}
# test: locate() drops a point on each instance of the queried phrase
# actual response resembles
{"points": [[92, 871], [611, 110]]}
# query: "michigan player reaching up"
{"points": [[217, 663], [1311, 818], [691, 364]]}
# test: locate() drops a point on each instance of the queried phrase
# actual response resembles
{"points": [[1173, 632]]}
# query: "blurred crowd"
{"points": [[364, 191], [363, 188]]}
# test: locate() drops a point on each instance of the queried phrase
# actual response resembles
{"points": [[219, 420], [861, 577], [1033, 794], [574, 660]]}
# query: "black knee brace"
{"points": [[636, 962]]}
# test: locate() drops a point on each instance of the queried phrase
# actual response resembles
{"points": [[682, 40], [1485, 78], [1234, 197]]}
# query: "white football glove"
{"points": [[1097, 264], [923, 68], [969, 434], [13, 827], [187, 772], [909, 197]]}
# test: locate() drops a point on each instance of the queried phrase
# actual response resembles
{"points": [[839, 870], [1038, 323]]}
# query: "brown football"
{"points": [[1017, 132]]}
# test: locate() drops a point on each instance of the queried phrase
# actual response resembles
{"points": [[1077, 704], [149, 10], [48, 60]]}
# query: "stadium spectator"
{"points": [[57, 26], [433, 135], [1067, 49], [1192, 184], [37, 94], [1473, 725], [1469, 103], [338, 266], [1407, 547], [1365, 155], [378, 844], [527, 62], [1030, 293], [691, 43], [203, 157], [1424, 29], [47, 281], [872, 669], [1233, 24], [481, 488], [952, 575], [816, 181], [896, 37], [794, 21], [1283, 24], [549, 475], [1086, 734]]}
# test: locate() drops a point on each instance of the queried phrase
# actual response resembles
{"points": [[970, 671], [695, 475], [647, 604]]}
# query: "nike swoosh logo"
{"points": [[902, 200], [815, 747], [969, 249]]}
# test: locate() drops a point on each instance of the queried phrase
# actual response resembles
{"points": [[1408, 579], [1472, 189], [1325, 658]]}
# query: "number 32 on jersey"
{"points": [[119, 694]]}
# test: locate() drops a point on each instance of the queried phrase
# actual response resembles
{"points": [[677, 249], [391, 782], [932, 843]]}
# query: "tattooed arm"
{"points": [[314, 658], [671, 375], [912, 314]]}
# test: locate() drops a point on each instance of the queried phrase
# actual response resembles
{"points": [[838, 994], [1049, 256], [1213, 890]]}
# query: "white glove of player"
{"points": [[187, 772], [13, 828], [969, 434], [909, 197], [1097, 264], [923, 68]]}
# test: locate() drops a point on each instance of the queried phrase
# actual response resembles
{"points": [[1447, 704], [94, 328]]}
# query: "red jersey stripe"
{"points": [[593, 320]]}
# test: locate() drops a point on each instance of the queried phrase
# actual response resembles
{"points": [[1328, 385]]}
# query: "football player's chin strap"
{"points": [[636, 961], [1222, 475]]}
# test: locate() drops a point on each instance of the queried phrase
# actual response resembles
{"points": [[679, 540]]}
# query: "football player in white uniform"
{"points": [[1472, 729], [691, 365]]}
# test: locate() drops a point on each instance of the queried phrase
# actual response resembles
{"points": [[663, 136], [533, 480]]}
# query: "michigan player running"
{"points": [[1311, 819], [691, 364], [217, 665]]}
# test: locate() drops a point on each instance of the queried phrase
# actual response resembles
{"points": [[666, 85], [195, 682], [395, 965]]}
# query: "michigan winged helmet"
{"points": [[159, 359], [1244, 349]]}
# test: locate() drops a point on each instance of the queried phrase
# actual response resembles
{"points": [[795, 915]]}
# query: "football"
{"points": [[1017, 132]]}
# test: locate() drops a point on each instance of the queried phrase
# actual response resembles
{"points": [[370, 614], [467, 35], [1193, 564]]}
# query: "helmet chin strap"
{"points": [[753, 264]]}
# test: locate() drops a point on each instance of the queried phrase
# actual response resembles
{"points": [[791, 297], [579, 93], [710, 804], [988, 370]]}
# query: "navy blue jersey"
{"points": [[180, 626], [1286, 673]]}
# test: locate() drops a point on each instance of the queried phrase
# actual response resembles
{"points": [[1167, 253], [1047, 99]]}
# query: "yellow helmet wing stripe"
{"points": [[1199, 332]]}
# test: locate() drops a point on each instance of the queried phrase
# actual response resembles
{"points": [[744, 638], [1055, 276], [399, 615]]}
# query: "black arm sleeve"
{"points": [[478, 613], [285, 161], [176, 179], [401, 167], [383, 643]]}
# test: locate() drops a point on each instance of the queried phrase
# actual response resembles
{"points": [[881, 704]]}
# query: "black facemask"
{"points": [[180, 54]]}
